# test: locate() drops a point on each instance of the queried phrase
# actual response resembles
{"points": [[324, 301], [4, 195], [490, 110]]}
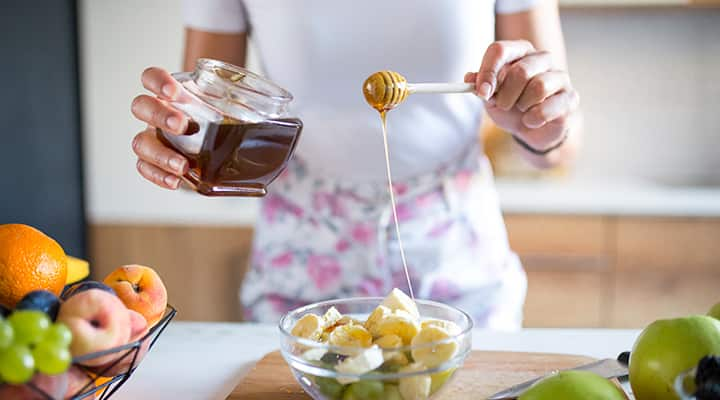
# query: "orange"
{"points": [[29, 260]]}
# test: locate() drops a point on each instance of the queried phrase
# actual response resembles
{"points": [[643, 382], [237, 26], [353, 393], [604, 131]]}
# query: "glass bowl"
{"points": [[315, 364]]}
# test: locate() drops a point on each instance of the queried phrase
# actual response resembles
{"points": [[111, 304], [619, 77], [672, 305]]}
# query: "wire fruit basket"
{"points": [[84, 382]]}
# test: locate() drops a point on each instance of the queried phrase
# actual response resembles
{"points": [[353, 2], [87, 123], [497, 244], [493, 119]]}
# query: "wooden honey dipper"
{"points": [[384, 90]]}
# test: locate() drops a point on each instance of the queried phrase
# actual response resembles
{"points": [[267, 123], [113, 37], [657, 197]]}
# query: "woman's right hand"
{"points": [[158, 163]]}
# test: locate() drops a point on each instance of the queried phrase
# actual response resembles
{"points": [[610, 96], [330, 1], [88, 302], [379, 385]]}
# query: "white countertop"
{"points": [[194, 360], [574, 197], [629, 197]]}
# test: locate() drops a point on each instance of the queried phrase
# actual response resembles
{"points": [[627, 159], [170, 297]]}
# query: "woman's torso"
{"points": [[322, 51]]}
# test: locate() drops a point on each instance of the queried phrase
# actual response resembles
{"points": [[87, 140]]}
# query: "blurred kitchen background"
{"points": [[630, 234]]}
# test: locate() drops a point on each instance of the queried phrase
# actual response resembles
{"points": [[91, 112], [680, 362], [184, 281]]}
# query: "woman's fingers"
{"points": [[555, 106], [541, 87], [160, 82], [496, 56], [157, 113], [516, 76], [157, 176], [151, 151], [547, 135]]}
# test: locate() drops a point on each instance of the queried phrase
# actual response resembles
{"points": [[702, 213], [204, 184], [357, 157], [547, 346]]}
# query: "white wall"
{"points": [[118, 40], [650, 90], [648, 79]]}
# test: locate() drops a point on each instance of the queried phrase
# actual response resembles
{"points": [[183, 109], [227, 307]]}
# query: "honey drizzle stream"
{"points": [[383, 115]]}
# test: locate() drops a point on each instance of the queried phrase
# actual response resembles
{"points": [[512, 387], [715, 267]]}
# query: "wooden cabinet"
{"points": [[665, 268], [583, 271], [202, 267], [621, 272], [639, 3]]}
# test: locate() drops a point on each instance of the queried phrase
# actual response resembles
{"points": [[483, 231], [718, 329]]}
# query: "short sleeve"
{"points": [[513, 6], [221, 16]]}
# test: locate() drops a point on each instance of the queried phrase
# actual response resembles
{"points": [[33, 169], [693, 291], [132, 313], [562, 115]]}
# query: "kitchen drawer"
{"points": [[668, 244], [561, 242], [202, 267], [566, 299], [641, 297]]}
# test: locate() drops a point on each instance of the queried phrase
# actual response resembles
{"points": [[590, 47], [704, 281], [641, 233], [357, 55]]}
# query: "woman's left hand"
{"points": [[525, 93]]}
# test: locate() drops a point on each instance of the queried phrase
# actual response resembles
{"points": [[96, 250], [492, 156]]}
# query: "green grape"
{"points": [[29, 326], [329, 387], [51, 358], [367, 390], [392, 392], [16, 364], [7, 334], [58, 333]]}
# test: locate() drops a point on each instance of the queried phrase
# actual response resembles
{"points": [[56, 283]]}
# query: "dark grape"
{"points": [[708, 370], [83, 286], [708, 392], [40, 300]]}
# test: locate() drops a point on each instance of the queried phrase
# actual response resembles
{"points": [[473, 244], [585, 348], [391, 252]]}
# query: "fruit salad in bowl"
{"points": [[375, 349]]}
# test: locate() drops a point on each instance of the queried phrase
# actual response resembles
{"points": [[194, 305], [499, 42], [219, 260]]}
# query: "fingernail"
{"points": [[177, 164], [168, 91], [173, 123], [485, 90], [172, 181], [531, 122]]}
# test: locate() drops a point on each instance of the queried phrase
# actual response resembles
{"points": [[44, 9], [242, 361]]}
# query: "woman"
{"points": [[325, 230]]}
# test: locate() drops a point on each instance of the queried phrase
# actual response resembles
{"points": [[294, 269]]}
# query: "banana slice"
{"points": [[366, 361], [331, 316], [376, 316], [432, 356], [396, 358], [310, 326], [439, 379], [400, 323], [414, 387], [314, 354], [398, 300], [389, 341], [451, 327], [346, 319], [350, 336]]}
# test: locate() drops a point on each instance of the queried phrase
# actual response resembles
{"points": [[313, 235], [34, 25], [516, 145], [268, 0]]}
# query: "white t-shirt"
{"points": [[322, 51]]}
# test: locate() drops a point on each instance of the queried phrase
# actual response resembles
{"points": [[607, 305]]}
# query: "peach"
{"points": [[139, 328], [53, 385], [141, 289], [98, 321], [138, 325], [78, 381]]}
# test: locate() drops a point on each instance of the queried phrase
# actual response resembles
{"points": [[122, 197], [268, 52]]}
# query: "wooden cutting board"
{"points": [[483, 374]]}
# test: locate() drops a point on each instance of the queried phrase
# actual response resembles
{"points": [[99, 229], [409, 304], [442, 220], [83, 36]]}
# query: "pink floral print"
{"points": [[363, 233], [318, 239], [282, 260], [323, 270]]}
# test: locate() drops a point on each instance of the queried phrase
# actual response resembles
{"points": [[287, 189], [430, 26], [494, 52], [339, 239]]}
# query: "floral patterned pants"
{"points": [[319, 239]]}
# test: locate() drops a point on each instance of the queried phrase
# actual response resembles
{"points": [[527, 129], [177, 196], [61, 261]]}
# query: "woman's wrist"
{"points": [[540, 152], [561, 152]]}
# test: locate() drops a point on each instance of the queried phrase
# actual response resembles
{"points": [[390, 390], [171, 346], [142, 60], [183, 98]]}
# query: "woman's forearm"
{"points": [[541, 27], [228, 47]]}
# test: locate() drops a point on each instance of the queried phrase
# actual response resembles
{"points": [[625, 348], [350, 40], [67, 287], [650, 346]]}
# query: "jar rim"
{"points": [[221, 73]]}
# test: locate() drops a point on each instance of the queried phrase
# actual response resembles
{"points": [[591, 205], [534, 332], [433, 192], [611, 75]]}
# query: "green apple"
{"points": [[715, 311], [665, 349], [574, 385]]}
